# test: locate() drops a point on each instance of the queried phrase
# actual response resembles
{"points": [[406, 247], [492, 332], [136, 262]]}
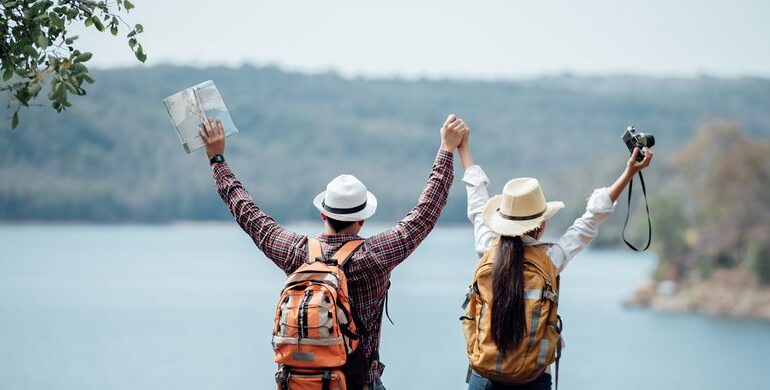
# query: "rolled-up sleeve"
{"points": [[476, 183], [583, 230]]}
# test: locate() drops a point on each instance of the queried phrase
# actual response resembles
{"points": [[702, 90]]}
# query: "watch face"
{"points": [[218, 158]]}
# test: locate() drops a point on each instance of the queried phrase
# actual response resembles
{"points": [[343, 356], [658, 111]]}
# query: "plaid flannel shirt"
{"points": [[368, 271]]}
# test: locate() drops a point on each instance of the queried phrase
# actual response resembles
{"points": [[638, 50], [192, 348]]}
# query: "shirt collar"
{"points": [[338, 238], [529, 241]]}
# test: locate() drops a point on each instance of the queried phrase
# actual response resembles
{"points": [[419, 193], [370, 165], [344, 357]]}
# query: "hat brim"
{"points": [[507, 227], [368, 211]]}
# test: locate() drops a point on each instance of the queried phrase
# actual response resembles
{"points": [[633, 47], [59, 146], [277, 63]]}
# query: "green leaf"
{"points": [[7, 74], [129, 5], [132, 42], [88, 22], [30, 51], [98, 23], [52, 92], [15, 120], [84, 57], [71, 86], [79, 69], [42, 41], [139, 28], [58, 23], [34, 88], [140, 55], [71, 39], [114, 29], [61, 92]]}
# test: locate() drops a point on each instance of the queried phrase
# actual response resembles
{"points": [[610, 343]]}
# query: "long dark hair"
{"points": [[508, 290]]}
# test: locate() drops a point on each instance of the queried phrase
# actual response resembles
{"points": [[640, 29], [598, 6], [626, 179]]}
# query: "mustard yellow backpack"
{"points": [[541, 345]]}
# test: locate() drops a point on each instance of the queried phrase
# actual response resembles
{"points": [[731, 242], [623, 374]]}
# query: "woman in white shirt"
{"points": [[509, 223]]}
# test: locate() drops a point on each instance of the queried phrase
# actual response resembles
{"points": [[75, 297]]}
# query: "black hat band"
{"points": [[525, 218], [335, 210]]}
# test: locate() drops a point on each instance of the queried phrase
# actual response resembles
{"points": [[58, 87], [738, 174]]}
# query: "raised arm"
{"points": [[276, 242], [632, 168], [600, 206], [394, 245], [476, 183]]}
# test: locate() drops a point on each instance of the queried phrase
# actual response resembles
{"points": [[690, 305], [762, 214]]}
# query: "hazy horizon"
{"points": [[451, 78], [451, 39]]}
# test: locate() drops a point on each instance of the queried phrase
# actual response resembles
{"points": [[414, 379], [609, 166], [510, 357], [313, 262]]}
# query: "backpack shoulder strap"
{"points": [[346, 251], [314, 251]]}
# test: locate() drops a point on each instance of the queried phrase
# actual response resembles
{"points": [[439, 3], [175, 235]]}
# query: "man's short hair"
{"points": [[339, 225]]}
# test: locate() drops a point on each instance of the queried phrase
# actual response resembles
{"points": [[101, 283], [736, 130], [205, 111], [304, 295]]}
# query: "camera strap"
{"points": [[628, 212]]}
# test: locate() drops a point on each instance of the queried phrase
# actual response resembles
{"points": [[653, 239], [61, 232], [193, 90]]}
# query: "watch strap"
{"points": [[218, 158]]}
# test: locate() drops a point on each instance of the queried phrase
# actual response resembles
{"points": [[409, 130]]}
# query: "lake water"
{"points": [[191, 307]]}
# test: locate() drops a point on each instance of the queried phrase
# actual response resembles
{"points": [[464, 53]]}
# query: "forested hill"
{"points": [[114, 156]]}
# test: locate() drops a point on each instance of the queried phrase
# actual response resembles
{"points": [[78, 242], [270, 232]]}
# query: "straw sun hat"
{"points": [[519, 209]]}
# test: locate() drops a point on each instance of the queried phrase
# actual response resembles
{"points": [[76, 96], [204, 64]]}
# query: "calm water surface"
{"points": [[191, 307]]}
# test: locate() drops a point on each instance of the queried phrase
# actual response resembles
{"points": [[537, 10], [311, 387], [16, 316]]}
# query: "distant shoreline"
{"points": [[728, 293]]}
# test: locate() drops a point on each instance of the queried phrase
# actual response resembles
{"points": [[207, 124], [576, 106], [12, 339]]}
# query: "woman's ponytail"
{"points": [[508, 290]]}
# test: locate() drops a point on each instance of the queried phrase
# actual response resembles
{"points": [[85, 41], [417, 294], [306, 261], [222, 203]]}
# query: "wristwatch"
{"points": [[217, 159]]}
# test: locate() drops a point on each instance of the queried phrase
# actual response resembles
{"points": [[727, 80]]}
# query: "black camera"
{"points": [[632, 139]]}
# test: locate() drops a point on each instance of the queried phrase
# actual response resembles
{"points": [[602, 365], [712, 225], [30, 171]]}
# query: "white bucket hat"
{"points": [[519, 209], [346, 199]]}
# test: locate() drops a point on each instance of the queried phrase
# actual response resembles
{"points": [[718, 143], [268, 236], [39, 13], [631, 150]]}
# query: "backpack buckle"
{"points": [[467, 297], [326, 379], [282, 377]]}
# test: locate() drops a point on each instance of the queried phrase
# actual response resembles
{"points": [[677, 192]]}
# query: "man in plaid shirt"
{"points": [[343, 207]]}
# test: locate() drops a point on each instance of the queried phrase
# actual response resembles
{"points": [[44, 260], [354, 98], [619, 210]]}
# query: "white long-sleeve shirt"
{"points": [[575, 239]]}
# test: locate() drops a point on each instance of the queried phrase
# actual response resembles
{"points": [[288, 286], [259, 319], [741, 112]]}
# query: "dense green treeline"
{"points": [[114, 156]]}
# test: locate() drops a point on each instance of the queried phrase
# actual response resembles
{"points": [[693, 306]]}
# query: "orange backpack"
{"points": [[314, 329], [541, 345]]}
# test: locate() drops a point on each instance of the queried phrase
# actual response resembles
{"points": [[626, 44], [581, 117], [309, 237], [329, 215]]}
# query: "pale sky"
{"points": [[449, 38]]}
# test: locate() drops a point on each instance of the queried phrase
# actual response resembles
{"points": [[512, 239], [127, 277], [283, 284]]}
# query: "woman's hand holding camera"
{"points": [[633, 166]]}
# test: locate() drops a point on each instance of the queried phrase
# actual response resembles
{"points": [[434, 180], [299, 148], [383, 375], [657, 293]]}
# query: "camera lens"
{"points": [[650, 140]]}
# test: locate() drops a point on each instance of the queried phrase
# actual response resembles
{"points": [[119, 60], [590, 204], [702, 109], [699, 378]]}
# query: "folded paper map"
{"points": [[189, 108]]}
